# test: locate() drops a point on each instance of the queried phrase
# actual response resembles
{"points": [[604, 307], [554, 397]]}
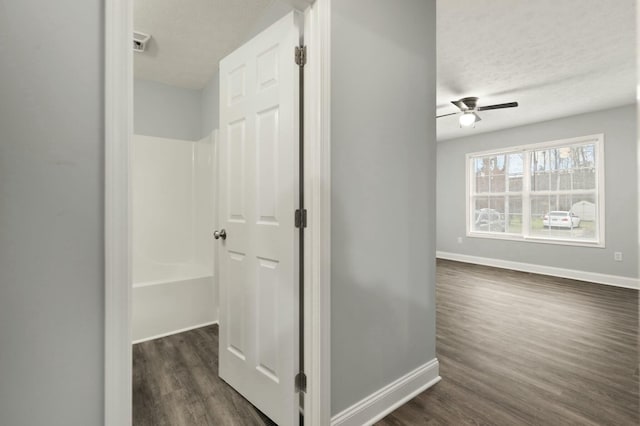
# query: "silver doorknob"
{"points": [[220, 234]]}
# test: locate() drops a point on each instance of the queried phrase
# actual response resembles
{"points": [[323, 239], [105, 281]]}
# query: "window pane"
{"points": [[584, 171], [564, 168], [560, 180], [561, 168], [489, 214], [584, 179], [497, 183], [482, 170], [540, 170], [499, 164], [498, 173], [513, 215], [584, 207], [481, 203], [564, 216], [515, 171], [540, 205], [490, 173]]}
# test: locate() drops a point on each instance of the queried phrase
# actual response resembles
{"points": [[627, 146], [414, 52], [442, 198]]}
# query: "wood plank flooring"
{"points": [[523, 349], [176, 383], [514, 349]]}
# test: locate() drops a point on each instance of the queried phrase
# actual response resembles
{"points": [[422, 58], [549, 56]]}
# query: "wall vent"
{"points": [[140, 41]]}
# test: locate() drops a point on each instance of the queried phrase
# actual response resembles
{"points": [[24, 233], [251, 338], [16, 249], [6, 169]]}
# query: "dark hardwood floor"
{"points": [[514, 349], [523, 349], [176, 383]]}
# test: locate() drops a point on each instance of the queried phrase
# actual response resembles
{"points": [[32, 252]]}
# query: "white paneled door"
{"points": [[258, 196]]}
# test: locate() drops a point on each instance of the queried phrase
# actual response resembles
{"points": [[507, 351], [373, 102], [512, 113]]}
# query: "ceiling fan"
{"points": [[469, 108]]}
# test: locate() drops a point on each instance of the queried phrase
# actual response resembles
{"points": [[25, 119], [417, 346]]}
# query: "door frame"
{"points": [[118, 94]]}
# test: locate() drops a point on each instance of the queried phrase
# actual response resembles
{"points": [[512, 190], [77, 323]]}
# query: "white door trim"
{"points": [[118, 133], [118, 93], [317, 92]]}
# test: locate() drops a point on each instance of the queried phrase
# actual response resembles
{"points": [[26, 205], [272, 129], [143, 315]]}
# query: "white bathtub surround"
{"points": [[173, 275], [164, 308]]}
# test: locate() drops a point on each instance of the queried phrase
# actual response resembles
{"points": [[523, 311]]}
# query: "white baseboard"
{"points": [[159, 336], [594, 277], [379, 404]]}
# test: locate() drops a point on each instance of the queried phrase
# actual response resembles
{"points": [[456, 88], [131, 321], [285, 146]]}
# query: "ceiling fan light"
{"points": [[467, 119]]}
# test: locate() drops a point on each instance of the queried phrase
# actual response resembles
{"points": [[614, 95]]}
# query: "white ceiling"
{"points": [[555, 57], [189, 37]]}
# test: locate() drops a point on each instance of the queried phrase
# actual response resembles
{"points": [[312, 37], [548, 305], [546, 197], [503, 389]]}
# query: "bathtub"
{"points": [[171, 298], [172, 248]]}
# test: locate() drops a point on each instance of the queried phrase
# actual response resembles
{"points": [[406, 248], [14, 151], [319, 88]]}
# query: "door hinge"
{"points": [[301, 55], [301, 382], [301, 218]]}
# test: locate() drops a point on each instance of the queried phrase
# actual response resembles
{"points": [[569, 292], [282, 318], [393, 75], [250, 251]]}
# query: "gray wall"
{"points": [[166, 111], [51, 213], [172, 112], [210, 105], [273, 12], [51, 204], [383, 150], [621, 216]]}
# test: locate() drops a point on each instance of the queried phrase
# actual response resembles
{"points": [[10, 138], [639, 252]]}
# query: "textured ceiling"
{"points": [[555, 57], [189, 37]]}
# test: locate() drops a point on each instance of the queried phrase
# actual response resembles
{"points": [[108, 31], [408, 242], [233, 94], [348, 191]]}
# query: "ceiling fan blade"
{"points": [[460, 105], [446, 115], [498, 106]]}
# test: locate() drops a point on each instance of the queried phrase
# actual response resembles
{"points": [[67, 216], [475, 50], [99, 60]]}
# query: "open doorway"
{"points": [[215, 340]]}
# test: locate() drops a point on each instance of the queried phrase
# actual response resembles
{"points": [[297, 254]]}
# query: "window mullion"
{"points": [[526, 193], [472, 192], [507, 221]]}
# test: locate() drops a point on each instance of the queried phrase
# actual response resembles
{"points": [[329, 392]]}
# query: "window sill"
{"points": [[531, 239]]}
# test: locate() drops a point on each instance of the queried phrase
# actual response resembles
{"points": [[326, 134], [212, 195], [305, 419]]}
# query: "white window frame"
{"points": [[597, 139]]}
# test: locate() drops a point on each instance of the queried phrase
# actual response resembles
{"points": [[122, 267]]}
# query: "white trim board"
{"points": [[171, 333], [594, 277], [118, 27], [118, 118], [317, 273], [382, 402]]}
